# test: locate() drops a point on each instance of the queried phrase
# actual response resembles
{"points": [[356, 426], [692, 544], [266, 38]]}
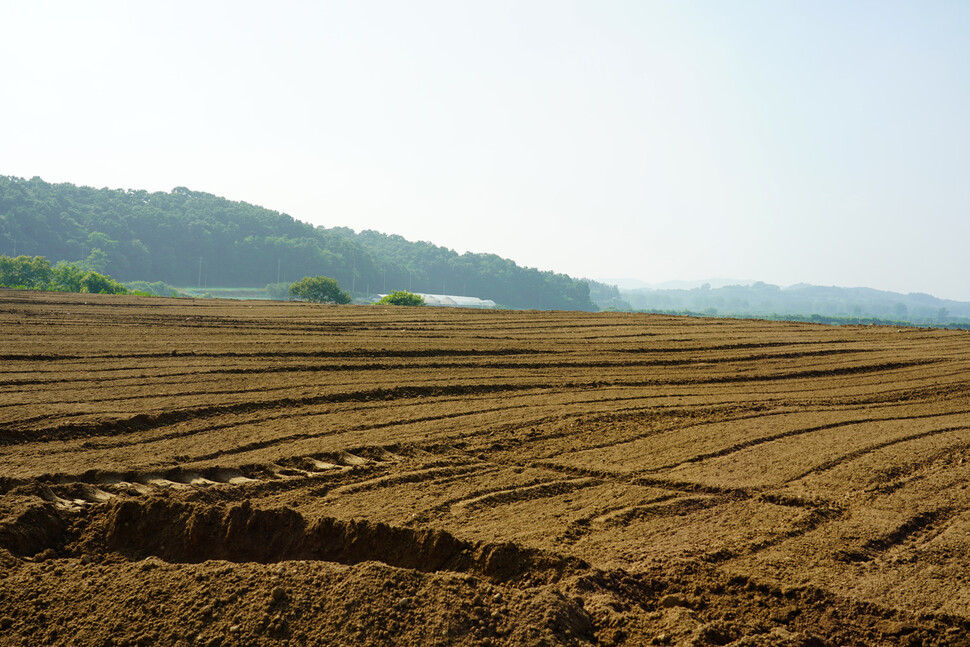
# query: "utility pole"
{"points": [[409, 280], [278, 261], [385, 279], [353, 280], [200, 272]]}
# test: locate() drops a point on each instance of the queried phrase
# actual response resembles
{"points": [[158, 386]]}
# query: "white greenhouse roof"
{"points": [[453, 301]]}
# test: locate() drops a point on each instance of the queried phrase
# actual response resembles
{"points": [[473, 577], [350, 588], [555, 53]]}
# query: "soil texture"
{"points": [[206, 472]]}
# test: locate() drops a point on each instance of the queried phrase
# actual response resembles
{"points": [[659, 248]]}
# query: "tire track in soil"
{"points": [[869, 449], [921, 376], [754, 442], [679, 414], [901, 475], [343, 463], [901, 397], [303, 436], [363, 353], [139, 399], [288, 439], [434, 474], [680, 498], [480, 498], [674, 381], [145, 421], [673, 412], [282, 440], [670, 505], [522, 493], [916, 529], [819, 514]]}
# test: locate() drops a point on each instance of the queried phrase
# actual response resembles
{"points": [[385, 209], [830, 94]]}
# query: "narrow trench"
{"points": [[180, 532]]}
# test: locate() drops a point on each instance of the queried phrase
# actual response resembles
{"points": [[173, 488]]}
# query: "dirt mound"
{"points": [[260, 574], [30, 525], [152, 602], [198, 573], [202, 574], [181, 532]]}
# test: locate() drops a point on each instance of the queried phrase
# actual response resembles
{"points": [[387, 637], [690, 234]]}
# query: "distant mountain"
{"points": [[636, 284], [189, 238], [802, 301]]}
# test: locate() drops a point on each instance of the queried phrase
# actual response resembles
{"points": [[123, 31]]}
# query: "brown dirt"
{"points": [[232, 473]]}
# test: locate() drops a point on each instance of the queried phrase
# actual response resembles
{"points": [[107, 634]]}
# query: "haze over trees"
{"points": [[802, 301], [189, 238]]}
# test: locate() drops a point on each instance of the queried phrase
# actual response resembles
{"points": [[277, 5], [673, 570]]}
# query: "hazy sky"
{"points": [[818, 141]]}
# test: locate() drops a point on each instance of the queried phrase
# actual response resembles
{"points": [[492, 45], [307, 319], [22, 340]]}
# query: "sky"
{"points": [[815, 141]]}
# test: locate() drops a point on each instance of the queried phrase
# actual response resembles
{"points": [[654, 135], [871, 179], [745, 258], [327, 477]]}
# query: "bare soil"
{"points": [[193, 472]]}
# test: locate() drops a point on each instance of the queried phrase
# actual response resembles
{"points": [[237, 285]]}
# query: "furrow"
{"points": [[523, 493], [859, 453]]}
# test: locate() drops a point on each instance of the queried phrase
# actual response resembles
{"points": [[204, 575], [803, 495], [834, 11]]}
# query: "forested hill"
{"points": [[188, 237]]}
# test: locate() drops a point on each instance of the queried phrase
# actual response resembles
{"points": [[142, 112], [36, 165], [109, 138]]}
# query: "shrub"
{"points": [[402, 298], [156, 288]]}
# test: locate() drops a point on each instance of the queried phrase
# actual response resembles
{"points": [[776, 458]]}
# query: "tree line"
{"points": [[37, 273], [190, 238]]}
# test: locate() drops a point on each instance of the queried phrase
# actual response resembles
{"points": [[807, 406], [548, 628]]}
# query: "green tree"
{"points": [[95, 283], [319, 289], [25, 272], [97, 260], [98, 240], [402, 298], [67, 277], [36, 273]]}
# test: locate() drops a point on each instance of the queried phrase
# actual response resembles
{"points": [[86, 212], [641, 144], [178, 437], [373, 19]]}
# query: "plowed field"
{"points": [[256, 473]]}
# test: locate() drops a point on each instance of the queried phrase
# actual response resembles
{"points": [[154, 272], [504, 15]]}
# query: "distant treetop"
{"points": [[319, 289]]}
